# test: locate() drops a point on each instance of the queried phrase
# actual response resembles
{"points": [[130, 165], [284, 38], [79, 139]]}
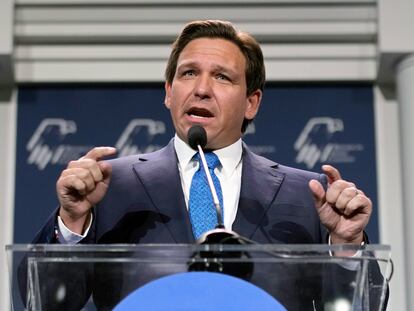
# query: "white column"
{"points": [[390, 207], [8, 110], [405, 95]]}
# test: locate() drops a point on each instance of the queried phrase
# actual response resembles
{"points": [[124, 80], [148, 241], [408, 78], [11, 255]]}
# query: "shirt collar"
{"points": [[229, 156]]}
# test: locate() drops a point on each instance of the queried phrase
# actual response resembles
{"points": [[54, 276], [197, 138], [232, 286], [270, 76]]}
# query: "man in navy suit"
{"points": [[214, 78]]}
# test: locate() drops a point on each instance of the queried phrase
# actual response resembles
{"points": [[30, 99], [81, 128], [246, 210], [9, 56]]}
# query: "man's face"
{"points": [[209, 89]]}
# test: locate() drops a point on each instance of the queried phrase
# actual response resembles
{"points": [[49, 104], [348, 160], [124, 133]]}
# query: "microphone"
{"points": [[197, 139], [197, 136], [206, 260]]}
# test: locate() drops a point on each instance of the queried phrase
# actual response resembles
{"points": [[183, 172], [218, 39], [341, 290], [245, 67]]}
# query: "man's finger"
{"points": [[87, 164], [106, 170], [82, 174], [335, 190], [345, 197], [98, 153], [360, 204], [70, 182], [332, 173], [318, 192]]}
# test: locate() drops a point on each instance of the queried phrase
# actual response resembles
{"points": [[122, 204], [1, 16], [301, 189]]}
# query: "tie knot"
{"points": [[211, 159]]}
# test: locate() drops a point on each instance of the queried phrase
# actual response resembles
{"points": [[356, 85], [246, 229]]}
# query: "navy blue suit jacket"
{"points": [[145, 203]]}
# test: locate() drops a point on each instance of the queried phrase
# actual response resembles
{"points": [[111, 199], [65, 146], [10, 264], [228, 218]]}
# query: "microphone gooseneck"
{"points": [[197, 139], [207, 260]]}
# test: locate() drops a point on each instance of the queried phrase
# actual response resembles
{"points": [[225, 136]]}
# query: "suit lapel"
{"points": [[259, 187], [160, 177]]}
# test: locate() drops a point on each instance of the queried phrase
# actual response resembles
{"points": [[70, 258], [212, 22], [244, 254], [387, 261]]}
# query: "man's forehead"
{"points": [[203, 40], [203, 50]]}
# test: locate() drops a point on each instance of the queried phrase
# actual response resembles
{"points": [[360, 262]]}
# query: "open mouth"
{"points": [[200, 113]]}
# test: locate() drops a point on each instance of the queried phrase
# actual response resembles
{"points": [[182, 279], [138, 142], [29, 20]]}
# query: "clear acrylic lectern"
{"points": [[98, 277]]}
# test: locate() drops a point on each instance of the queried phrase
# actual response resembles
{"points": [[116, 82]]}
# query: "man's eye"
{"points": [[222, 77], [189, 73]]}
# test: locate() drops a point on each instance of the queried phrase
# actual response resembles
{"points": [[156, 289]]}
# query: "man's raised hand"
{"points": [[81, 186], [343, 209]]}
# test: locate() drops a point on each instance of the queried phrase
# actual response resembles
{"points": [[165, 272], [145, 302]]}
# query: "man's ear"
{"points": [[253, 104], [167, 100]]}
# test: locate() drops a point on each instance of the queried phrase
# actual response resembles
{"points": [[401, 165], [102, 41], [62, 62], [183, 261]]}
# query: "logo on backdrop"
{"points": [[47, 144], [138, 137], [316, 143]]}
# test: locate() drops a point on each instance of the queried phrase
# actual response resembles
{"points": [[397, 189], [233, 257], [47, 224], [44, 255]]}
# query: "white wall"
{"points": [[389, 190], [6, 42], [7, 160], [395, 42], [7, 143]]}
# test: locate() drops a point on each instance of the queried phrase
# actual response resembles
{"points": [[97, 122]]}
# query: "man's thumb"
{"points": [[318, 192]]}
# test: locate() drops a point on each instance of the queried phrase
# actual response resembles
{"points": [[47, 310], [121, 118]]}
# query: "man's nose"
{"points": [[203, 87]]}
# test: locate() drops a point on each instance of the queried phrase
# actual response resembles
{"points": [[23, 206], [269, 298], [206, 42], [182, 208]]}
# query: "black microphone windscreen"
{"points": [[197, 136]]}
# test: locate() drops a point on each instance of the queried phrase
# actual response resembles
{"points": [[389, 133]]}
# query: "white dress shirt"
{"points": [[229, 174]]}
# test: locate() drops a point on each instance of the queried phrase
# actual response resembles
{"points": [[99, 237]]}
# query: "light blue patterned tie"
{"points": [[201, 206]]}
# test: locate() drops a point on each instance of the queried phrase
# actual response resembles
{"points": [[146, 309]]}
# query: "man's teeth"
{"points": [[195, 116]]}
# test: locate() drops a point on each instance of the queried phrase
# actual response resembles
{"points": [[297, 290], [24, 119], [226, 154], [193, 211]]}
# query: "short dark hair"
{"points": [[255, 69]]}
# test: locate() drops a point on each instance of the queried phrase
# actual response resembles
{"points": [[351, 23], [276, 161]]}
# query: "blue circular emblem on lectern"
{"points": [[199, 291]]}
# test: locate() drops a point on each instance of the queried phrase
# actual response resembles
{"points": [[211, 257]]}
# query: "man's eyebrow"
{"points": [[216, 68], [226, 70], [196, 63], [187, 63]]}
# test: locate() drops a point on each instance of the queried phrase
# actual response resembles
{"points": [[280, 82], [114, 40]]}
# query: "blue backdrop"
{"points": [[301, 126]]}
